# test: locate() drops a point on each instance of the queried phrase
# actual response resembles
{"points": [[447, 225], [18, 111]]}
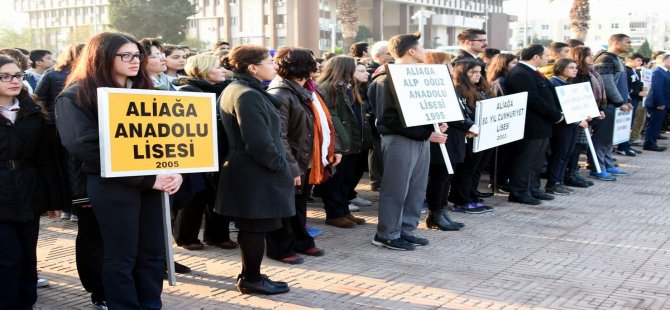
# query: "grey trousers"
{"points": [[405, 178], [603, 131]]}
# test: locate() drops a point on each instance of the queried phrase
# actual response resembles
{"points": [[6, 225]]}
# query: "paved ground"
{"points": [[601, 248]]}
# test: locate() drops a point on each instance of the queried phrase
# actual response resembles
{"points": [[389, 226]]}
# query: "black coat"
{"points": [[78, 130], [543, 109], [33, 186], [49, 87], [256, 182], [456, 136]]}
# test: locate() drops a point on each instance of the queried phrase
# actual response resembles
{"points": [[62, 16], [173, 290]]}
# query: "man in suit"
{"points": [[542, 112], [657, 102], [472, 42]]}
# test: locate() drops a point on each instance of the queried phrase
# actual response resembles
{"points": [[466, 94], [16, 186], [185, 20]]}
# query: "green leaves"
{"points": [[165, 19]]}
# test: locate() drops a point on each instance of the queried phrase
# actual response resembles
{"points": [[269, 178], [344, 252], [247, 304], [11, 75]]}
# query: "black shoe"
{"points": [[275, 283], [99, 304], [655, 148], [395, 244], [543, 196], [579, 178], [636, 151], [661, 137], [446, 216], [483, 195], [524, 200], [574, 182], [376, 187], [179, 268], [557, 189], [436, 220], [414, 240], [265, 286]]}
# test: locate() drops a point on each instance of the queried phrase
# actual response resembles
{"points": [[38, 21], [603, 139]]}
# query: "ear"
{"points": [[251, 69]]}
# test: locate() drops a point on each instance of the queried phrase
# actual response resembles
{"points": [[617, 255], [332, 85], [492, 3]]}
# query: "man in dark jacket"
{"points": [[401, 197], [613, 72], [635, 88], [543, 112]]}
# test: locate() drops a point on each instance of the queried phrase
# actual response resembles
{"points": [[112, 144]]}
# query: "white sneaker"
{"points": [[74, 218], [353, 208], [361, 202], [42, 283], [65, 215]]}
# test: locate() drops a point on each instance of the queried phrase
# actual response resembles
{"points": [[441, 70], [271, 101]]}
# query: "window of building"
{"points": [[233, 21], [222, 22], [566, 27], [615, 26], [232, 2], [638, 25], [191, 23], [545, 27]]}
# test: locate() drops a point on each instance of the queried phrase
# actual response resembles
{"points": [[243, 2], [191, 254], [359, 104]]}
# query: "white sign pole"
{"points": [[167, 233], [443, 148], [587, 132]]}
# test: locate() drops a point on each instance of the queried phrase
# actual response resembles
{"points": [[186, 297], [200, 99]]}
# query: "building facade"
{"points": [[311, 23], [60, 22], [640, 27]]}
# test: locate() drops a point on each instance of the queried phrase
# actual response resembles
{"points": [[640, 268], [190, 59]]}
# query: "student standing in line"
{"points": [[128, 209], [256, 186]]}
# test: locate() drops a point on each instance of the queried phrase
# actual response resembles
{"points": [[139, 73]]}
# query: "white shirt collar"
{"points": [[529, 65]]}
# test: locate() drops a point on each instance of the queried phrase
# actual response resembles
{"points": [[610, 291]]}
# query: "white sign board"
{"points": [[501, 120], [577, 102], [622, 126], [425, 94]]}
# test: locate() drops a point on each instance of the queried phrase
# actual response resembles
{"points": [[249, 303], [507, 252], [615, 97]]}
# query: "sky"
{"points": [[541, 9]]}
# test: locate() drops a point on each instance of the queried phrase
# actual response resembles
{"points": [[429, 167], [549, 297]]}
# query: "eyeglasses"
{"points": [[157, 56], [9, 77], [128, 57], [480, 40]]}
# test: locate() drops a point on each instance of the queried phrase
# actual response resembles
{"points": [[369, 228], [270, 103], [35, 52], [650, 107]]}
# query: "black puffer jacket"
{"points": [[49, 87], [29, 180]]}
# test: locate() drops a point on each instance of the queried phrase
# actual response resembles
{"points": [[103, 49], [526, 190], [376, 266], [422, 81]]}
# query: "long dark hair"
{"points": [[498, 66], [561, 64], [67, 59], [339, 70], [579, 54], [95, 65], [469, 91]]}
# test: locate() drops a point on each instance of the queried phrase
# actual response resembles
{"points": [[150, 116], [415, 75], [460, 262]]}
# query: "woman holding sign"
{"points": [[128, 209], [439, 179], [471, 87], [564, 137], [256, 186]]}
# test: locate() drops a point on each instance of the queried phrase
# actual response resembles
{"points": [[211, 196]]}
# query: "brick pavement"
{"points": [[602, 248]]}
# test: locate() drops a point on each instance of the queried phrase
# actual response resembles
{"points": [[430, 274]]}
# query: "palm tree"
{"points": [[579, 18], [347, 15]]}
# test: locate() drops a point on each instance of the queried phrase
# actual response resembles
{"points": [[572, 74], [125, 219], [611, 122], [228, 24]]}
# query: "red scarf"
{"points": [[319, 173]]}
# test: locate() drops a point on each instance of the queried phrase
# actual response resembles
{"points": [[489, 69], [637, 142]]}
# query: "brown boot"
{"points": [[357, 220], [341, 222]]}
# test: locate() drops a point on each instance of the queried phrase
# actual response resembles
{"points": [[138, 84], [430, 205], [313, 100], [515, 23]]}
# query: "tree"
{"points": [[645, 49], [25, 38], [579, 18], [164, 19], [364, 34], [347, 15]]}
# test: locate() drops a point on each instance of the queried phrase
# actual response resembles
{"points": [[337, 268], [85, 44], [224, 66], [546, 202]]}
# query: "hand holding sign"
{"points": [[169, 183]]}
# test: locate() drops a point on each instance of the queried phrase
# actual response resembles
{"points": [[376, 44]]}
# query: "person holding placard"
{"points": [[657, 102], [256, 186], [471, 87], [439, 178], [406, 156], [543, 112], [564, 136], [636, 91], [586, 73], [128, 208], [613, 73]]}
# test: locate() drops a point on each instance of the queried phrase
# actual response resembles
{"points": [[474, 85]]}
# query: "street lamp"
{"points": [[421, 16]]}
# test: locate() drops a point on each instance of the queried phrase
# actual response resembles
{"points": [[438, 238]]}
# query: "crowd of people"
{"points": [[293, 126]]}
